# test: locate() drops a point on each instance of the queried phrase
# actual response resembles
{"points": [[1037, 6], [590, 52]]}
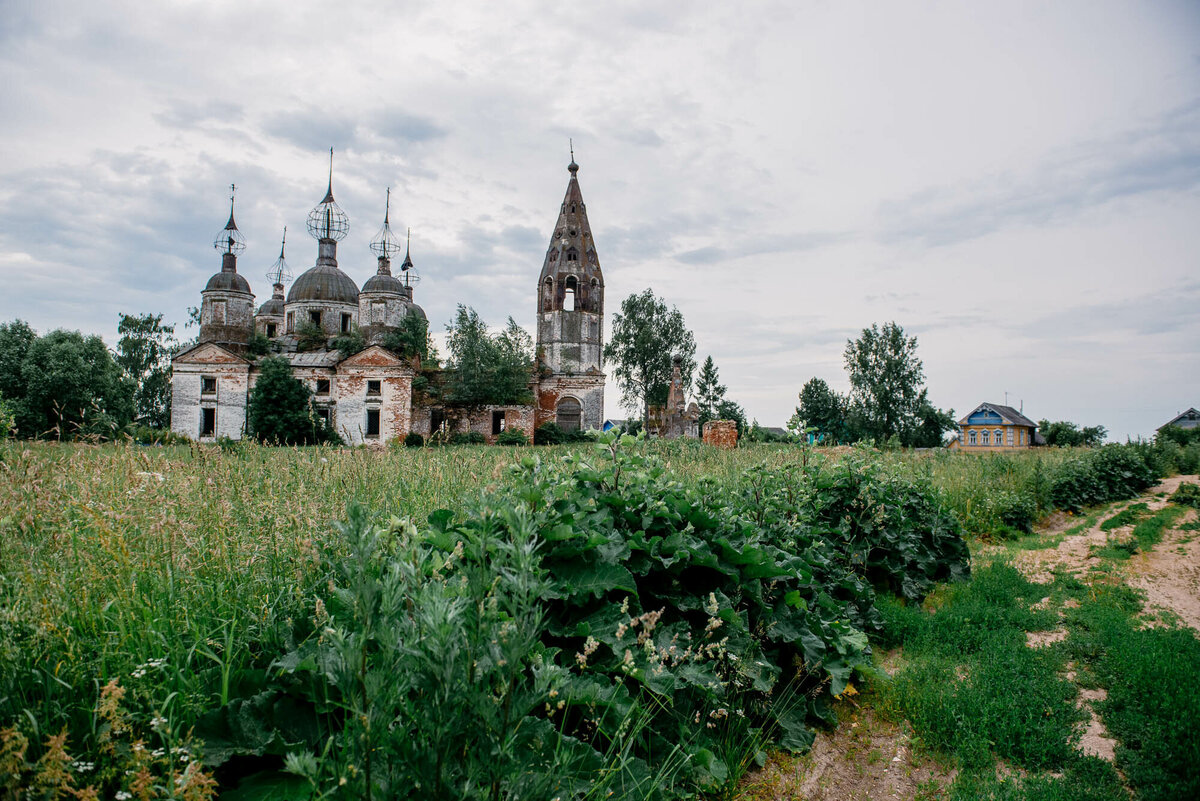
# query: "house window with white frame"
{"points": [[971, 434], [1010, 436], [999, 438]]}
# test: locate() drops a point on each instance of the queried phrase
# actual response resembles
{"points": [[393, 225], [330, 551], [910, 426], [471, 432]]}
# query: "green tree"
{"points": [[728, 410], [823, 409], [144, 350], [72, 387], [1064, 433], [932, 424], [709, 391], [411, 338], [485, 369], [645, 336], [15, 339], [888, 401], [280, 411]]}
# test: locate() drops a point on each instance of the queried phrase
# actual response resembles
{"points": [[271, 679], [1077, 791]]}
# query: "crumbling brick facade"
{"points": [[721, 434]]}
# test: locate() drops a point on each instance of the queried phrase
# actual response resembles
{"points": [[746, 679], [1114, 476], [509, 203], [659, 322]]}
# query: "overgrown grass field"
{"points": [[149, 596]]}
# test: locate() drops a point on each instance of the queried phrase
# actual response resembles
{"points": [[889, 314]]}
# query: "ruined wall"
{"points": [[721, 434], [476, 418], [229, 399], [587, 389], [352, 398]]}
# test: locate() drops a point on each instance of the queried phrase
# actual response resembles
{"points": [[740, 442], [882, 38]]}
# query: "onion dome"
{"points": [[327, 220], [324, 282]]}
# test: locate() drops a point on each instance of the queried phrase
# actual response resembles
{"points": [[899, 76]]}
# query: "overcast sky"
{"points": [[1017, 184]]}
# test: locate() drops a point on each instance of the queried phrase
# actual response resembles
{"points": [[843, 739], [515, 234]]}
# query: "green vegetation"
{"points": [[887, 404], [645, 336], [144, 350], [156, 600], [279, 411], [484, 368], [1066, 434]]}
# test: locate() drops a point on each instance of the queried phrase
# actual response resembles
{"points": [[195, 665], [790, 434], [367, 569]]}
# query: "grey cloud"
{"points": [[1156, 313], [190, 115], [312, 129], [400, 127], [1162, 157]]}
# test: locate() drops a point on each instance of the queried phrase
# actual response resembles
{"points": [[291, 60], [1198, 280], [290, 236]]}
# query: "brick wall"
{"points": [[721, 434]]}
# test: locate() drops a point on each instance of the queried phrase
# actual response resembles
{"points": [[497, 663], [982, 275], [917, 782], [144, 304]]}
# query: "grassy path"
{"points": [[1067, 670]]}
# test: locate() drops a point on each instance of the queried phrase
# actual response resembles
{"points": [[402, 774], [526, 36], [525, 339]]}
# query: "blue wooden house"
{"points": [[993, 426]]}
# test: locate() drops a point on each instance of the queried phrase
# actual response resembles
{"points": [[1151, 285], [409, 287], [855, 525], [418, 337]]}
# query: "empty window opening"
{"points": [[291, 322], [497, 421], [208, 422], [272, 330], [572, 255], [345, 324], [374, 387], [572, 208], [437, 420], [208, 385], [569, 294], [324, 415], [322, 386], [569, 414], [372, 422], [314, 317]]}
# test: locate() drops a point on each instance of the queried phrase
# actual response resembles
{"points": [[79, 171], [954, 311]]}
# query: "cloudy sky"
{"points": [[1017, 184]]}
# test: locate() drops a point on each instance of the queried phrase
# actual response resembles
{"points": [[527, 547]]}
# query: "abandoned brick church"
{"points": [[368, 397]]}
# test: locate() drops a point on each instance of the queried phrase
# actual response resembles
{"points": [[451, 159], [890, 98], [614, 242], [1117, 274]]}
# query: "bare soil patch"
{"points": [[867, 757], [1169, 568]]}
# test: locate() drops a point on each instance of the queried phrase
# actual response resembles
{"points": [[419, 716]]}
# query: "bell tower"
{"points": [[570, 330]]}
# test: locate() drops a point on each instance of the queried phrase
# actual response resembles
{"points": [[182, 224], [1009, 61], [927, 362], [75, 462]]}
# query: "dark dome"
{"points": [[417, 310], [384, 283], [324, 282], [272, 308], [229, 281]]}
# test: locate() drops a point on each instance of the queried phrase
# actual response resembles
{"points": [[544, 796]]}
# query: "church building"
{"points": [[368, 397]]}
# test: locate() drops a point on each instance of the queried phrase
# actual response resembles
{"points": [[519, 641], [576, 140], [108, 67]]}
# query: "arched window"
{"points": [[999, 437], [548, 294], [569, 414], [572, 286], [971, 436], [987, 437]]}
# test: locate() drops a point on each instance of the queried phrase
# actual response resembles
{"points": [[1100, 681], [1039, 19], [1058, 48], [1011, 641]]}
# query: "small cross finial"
{"points": [[283, 242], [572, 144], [387, 206]]}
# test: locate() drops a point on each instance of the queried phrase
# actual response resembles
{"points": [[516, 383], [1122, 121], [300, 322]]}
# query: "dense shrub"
{"points": [[600, 626], [512, 436], [468, 438], [552, 434], [413, 440], [1111, 473]]}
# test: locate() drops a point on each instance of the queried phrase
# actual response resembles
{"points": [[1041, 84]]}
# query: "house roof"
{"points": [[315, 358], [1007, 413], [1186, 419], [776, 430]]}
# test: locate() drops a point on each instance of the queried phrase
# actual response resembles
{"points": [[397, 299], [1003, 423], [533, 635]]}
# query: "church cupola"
{"points": [[382, 302], [269, 320], [226, 304], [323, 295]]}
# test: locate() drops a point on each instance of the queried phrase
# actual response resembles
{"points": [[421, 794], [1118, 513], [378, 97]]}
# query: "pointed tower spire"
{"points": [[229, 240], [385, 242], [279, 272], [327, 222]]}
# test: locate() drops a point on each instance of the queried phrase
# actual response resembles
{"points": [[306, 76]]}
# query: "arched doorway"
{"points": [[569, 414]]}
